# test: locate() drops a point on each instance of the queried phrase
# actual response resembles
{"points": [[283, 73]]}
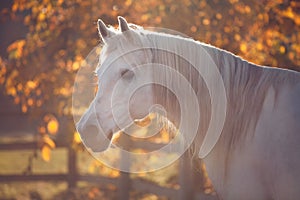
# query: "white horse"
{"points": [[257, 155]]}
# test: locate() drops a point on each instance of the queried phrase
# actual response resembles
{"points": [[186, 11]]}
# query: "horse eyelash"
{"points": [[125, 73]]}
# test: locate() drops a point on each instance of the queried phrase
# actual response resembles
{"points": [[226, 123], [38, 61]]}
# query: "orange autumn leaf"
{"points": [[75, 65], [24, 108], [48, 142], [31, 84], [52, 126], [114, 173], [11, 91], [76, 138], [46, 153]]}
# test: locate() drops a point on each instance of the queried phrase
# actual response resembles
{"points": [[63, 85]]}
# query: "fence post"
{"points": [[185, 178], [72, 169], [124, 185]]}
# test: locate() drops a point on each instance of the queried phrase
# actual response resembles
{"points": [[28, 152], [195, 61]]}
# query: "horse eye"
{"points": [[127, 74]]}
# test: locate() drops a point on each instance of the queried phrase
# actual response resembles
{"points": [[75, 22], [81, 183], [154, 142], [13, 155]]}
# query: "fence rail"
{"points": [[124, 183]]}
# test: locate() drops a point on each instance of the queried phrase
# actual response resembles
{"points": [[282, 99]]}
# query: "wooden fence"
{"points": [[124, 183]]}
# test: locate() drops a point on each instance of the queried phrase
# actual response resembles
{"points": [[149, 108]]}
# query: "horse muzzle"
{"points": [[92, 136]]}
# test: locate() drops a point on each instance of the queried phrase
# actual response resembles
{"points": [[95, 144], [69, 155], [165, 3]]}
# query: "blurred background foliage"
{"points": [[38, 69]]}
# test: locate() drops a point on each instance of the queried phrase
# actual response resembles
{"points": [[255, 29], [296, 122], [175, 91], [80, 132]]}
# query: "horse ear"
{"points": [[103, 30], [123, 24]]}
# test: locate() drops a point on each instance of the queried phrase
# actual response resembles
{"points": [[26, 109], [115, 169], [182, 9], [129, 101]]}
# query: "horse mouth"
{"points": [[110, 135]]}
